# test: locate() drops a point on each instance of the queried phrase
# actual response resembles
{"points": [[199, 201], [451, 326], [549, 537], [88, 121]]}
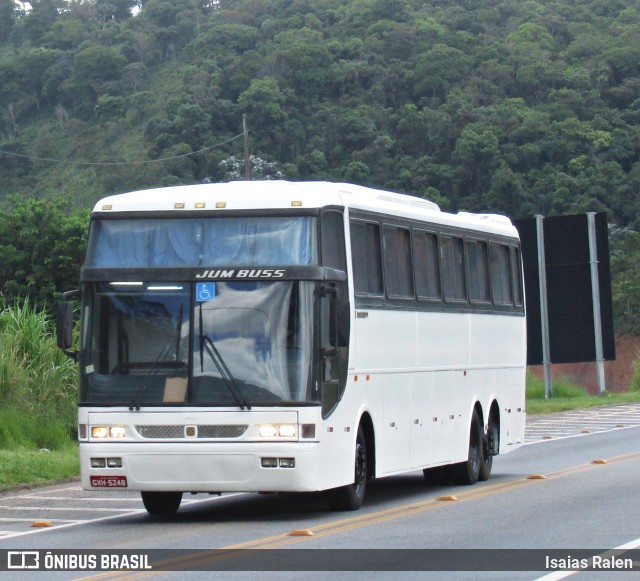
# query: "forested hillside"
{"points": [[514, 106]]}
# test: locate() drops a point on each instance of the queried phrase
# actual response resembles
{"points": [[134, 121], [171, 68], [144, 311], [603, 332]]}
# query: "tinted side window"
{"points": [[478, 271], [500, 274], [516, 275], [397, 262], [333, 249], [367, 263], [425, 254], [452, 265]]}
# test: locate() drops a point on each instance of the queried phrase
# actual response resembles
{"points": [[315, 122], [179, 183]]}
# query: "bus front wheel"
{"points": [[350, 497], [161, 503]]}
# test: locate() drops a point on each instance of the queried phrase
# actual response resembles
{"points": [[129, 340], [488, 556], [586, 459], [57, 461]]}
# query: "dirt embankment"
{"points": [[617, 373]]}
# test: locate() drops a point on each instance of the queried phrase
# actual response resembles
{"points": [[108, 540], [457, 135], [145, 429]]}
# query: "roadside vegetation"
{"points": [[38, 391], [569, 396], [37, 401]]}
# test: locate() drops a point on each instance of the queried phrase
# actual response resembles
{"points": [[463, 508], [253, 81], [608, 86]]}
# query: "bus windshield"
{"points": [[232, 343], [206, 241]]}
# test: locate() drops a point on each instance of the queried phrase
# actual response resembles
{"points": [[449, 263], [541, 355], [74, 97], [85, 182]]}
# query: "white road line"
{"points": [[65, 509], [31, 520], [541, 440], [556, 575], [106, 518], [83, 498]]}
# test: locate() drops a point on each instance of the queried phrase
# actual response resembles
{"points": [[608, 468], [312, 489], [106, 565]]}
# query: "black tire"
{"points": [[487, 453], [161, 503], [350, 497], [468, 472]]}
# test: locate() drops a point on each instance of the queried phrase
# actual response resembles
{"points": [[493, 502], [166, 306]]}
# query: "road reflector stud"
{"points": [[619, 425], [301, 533], [599, 462], [585, 431], [547, 437], [537, 477], [42, 523], [448, 498]]}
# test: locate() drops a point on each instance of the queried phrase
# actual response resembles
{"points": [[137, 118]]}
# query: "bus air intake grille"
{"points": [[203, 431]]}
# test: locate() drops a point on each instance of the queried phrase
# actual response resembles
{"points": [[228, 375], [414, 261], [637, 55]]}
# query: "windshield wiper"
{"points": [[225, 373]]}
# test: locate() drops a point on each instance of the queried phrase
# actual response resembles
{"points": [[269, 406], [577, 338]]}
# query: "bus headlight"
{"points": [[277, 430], [101, 432]]}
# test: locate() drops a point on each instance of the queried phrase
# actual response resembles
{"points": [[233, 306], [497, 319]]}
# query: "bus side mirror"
{"points": [[64, 325]]}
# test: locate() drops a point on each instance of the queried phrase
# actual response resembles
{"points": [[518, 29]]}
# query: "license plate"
{"points": [[109, 481]]}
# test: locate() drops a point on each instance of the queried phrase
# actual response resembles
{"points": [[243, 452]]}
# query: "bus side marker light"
{"points": [[537, 477], [599, 461], [301, 533], [448, 498], [179, 206], [220, 205], [42, 524]]}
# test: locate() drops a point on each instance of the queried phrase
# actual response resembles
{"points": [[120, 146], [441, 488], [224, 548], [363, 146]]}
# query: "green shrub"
{"points": [[37, 382], [635, 376], [561, 387]]}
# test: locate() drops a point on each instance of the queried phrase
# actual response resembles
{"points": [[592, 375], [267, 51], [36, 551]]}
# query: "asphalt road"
{"points": [[571, 504]]}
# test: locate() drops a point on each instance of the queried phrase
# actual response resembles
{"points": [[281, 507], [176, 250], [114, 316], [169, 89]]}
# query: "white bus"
{"points": [[281, 336]]}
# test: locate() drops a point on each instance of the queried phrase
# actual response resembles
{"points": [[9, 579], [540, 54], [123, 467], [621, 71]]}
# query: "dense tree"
{"points": [[43, 245], [7, 18], [512, 107]]}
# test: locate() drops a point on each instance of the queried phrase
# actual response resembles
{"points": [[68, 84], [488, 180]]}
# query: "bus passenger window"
{"points": [[478, 271], [516, 275], [425, 253], [367, 263], [500, 274], [452, 264], [397, 262]]}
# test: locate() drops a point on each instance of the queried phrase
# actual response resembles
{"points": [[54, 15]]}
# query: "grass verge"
{"points": [[568, 396], [22, 467]]}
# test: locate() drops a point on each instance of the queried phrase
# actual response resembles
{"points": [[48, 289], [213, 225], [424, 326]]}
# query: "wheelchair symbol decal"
{"points": [[205, 291]]}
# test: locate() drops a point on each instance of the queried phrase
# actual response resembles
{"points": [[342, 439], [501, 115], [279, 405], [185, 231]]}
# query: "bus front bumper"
{"points": [[264, 467]]}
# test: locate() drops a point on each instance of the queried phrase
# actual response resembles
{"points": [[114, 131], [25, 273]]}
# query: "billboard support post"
{"points": [[544, 309], [595, 293]]}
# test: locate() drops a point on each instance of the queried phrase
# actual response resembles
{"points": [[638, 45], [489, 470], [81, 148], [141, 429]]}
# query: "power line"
{"points": [[70, 162]]}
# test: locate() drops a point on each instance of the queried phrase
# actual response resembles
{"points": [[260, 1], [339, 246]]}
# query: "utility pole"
{"points": [[247, 159]]}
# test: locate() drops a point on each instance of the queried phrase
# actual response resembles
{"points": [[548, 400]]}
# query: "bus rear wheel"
{"points": [[350, 497], [468, 472], [488, 443], [161, 503]]}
